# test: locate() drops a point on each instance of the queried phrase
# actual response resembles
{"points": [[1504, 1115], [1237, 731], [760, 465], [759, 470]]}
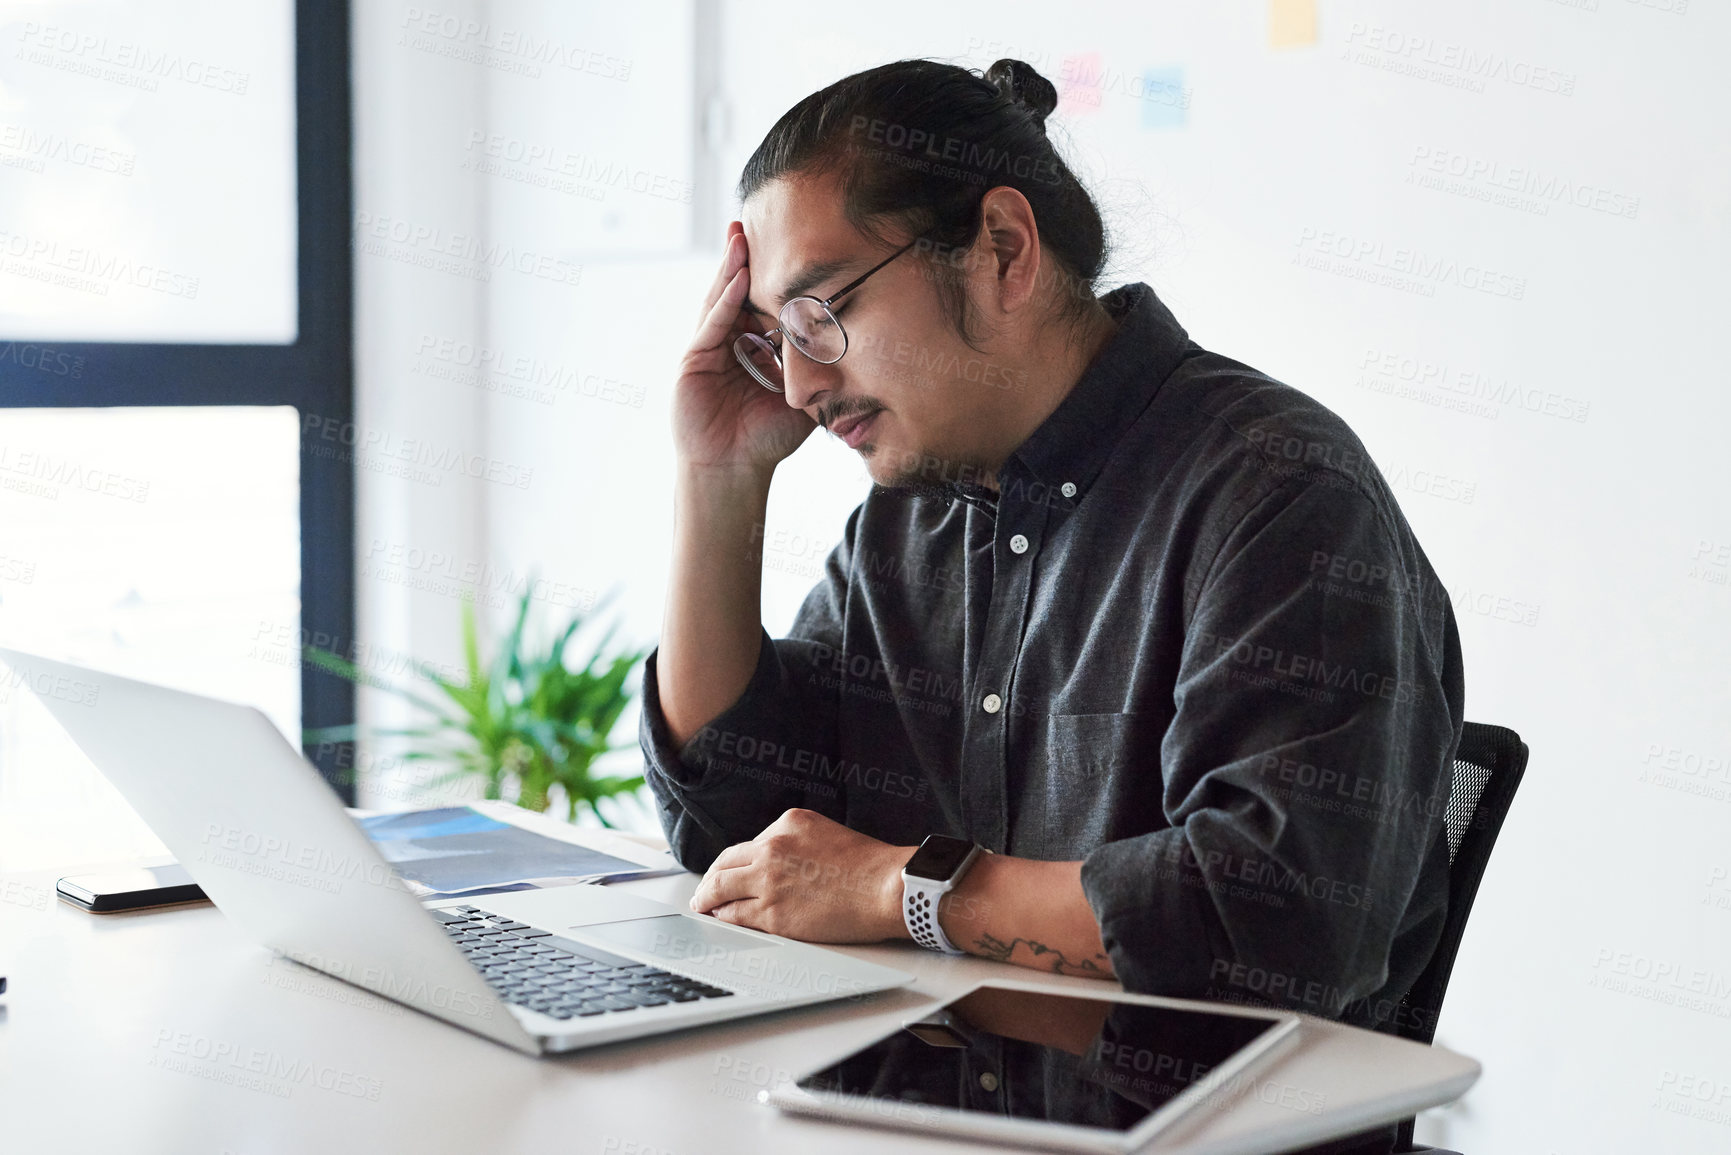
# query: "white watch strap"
{"points": [[920, 912]]}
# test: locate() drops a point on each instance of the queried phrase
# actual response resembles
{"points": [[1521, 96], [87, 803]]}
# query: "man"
{"points": [[1143, 623]]}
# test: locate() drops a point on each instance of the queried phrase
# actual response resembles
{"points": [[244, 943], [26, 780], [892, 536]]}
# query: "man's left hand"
{"points": [[808, 877]]}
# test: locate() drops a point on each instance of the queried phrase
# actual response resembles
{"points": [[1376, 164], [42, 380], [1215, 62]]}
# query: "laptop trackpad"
{"points": [[678, 938]]}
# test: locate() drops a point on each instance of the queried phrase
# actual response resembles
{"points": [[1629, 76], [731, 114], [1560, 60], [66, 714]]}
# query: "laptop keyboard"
{"points": [[537, 969]]}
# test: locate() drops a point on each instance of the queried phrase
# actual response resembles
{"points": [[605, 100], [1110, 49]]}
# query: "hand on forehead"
{"points": [[798, 241]]}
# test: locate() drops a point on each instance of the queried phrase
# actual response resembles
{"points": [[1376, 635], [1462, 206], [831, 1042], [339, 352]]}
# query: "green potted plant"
{"points": [[523, 721]]}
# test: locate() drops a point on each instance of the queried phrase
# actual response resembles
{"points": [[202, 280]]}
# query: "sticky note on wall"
{"points": [[1291, 23], [1079, 83], [1165, 100]]}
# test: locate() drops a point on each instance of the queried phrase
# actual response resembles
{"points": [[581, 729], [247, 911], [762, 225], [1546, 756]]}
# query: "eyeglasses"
{"points": [[813, 327]]}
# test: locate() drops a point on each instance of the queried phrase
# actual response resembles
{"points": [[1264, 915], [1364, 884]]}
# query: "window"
{"points": [[175, 296]]}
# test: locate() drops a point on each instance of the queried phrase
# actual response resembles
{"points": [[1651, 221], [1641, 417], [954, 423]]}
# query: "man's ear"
{"points": [[1011, 240]]}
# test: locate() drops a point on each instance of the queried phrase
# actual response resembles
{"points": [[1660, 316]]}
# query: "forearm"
{"points": [[1027, 912], [710, 635]]}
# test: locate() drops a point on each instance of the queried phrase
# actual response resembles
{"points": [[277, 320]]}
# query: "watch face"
{"points": [[938, 857]]}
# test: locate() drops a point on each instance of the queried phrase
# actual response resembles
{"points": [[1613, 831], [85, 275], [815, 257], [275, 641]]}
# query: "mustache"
{"points": [[846, 409]]}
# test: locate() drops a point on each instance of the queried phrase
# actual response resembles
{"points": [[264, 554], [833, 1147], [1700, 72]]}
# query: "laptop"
{"points": [[542, 971]]}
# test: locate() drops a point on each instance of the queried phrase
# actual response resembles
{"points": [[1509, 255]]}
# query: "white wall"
{"points": [[1590, 557]]}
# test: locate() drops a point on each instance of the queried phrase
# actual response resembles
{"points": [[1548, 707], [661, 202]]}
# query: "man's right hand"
{"points": [[722, 417]]}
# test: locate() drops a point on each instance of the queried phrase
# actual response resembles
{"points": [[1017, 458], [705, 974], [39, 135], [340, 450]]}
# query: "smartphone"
{"points": [[131, 888]]}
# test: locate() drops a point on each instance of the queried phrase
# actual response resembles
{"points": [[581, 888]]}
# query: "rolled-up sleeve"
{"points": [[1316, 710], [734, 776]]}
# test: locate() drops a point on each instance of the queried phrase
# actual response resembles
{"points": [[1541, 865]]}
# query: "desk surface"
{"points": [[168, 1032]]}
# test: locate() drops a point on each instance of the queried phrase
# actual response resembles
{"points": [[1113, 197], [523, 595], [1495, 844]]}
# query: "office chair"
{"points": [[1488, 766]]}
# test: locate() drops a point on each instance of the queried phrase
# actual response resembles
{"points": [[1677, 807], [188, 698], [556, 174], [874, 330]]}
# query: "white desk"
{"points": [[133, 1034]]}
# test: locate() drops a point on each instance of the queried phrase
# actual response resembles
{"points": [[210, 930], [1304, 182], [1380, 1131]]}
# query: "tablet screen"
{"points": [[1043, 1056]]}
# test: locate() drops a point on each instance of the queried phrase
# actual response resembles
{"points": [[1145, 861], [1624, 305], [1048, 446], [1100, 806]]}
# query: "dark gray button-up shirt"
{"points": [[1191, 641]]}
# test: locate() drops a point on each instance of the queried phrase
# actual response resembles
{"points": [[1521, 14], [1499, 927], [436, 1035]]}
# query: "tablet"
{"points": [[1044, 1068]]}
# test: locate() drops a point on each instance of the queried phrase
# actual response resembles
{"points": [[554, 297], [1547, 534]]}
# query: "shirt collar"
{"points": [[1071, 446]]}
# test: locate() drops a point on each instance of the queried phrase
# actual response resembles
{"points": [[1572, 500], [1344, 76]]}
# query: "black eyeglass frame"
{"points": [[774, 348]]}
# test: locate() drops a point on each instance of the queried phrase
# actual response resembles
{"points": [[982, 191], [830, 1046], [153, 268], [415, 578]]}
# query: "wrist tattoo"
{"points": [[1042, 957]]}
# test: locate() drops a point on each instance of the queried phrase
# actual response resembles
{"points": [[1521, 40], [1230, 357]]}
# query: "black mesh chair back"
{"points": [[1487, 768]]}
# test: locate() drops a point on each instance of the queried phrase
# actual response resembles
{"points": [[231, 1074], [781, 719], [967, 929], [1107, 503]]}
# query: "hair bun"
{"points": [[1019, 80]]}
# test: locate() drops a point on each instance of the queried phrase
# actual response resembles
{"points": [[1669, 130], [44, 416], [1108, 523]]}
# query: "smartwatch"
{"points": [[934, 870]]}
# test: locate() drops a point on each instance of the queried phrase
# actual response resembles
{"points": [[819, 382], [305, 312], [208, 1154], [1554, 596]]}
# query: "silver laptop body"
{"points": [[271, 845]]}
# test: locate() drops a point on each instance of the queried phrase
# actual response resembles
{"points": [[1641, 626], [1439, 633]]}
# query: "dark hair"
{"points": [[916, 144]]}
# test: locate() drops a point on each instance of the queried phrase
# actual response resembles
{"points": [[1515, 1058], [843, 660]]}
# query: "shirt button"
{"points": [[992, 703], [988, 1081], [1018, 544], [1068, 489]]}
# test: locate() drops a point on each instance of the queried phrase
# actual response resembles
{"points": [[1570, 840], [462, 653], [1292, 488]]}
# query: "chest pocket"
{"points": [[1080, 748], [1077, 769]]}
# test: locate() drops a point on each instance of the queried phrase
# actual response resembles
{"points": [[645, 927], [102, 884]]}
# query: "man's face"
{"points": [[933, 403]]}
